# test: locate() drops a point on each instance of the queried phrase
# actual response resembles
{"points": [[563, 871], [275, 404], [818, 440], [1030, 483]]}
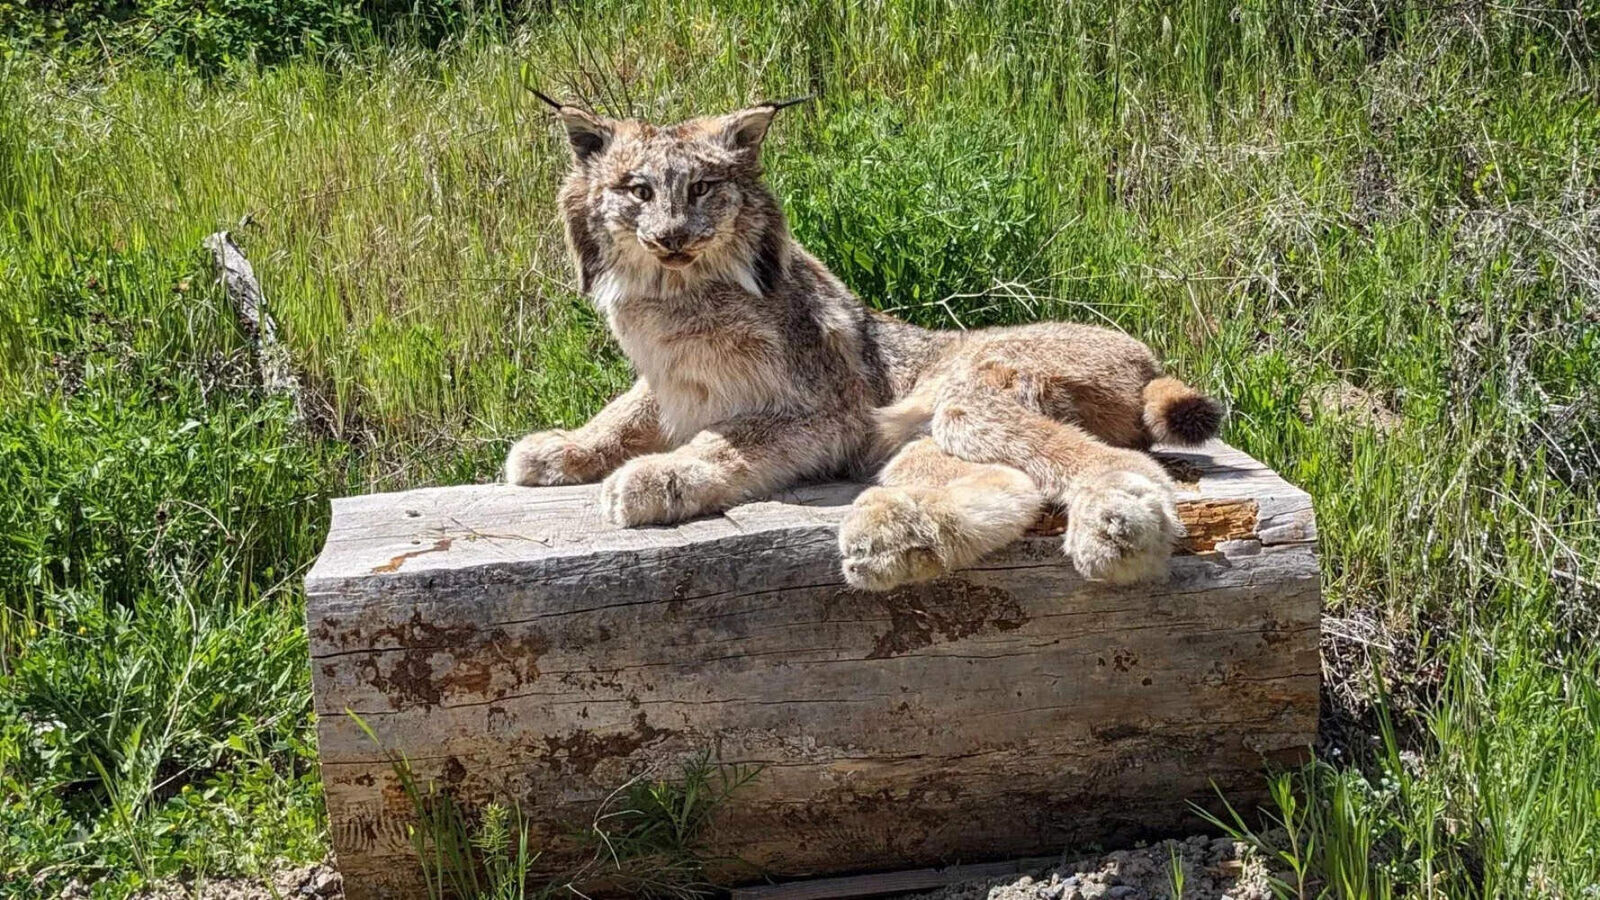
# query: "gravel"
{"points": [[1213, 869], [315, 882]]}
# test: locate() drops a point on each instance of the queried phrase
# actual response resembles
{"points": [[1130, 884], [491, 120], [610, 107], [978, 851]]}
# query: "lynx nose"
{"points": [[671, 242]]}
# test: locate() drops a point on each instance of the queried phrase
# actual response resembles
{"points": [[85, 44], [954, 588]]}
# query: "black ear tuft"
{"points": [[588, 133], [745, 129], [785, 104]]}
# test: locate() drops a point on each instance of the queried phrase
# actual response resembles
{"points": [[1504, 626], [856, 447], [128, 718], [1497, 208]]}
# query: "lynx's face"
{"points": [[658, 209], [668, 199]]}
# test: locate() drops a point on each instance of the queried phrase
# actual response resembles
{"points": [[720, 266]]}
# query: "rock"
{"points": [[1341, 399], [322, 882]]}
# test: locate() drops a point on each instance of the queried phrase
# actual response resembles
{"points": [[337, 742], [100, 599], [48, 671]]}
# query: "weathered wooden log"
{"points": [[239, 282], [512, 644]]}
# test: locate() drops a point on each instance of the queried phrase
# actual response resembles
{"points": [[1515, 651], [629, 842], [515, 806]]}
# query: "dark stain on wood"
{"points": [[1179, 469], [1120, 731], [359, 831], [395, 799], [476, 665], [394, 564], [1274, 632], [948, 609], [454, 772], [476, 660], [408, 682], [581, 751], [419, 634]]}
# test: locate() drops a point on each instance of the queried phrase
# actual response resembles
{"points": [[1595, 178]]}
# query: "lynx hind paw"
{"points": [[889, 539], [1121, 527]]}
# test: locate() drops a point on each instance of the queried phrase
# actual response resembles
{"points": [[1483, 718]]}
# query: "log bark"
{"points": [[513, 645]]}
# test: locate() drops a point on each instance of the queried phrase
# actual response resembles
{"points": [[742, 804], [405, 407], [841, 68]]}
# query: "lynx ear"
{"points": [[588, 133], [745, 129]]}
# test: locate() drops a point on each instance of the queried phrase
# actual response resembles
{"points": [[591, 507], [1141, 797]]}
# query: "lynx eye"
{"points": [[643, 192], [700, 189]]}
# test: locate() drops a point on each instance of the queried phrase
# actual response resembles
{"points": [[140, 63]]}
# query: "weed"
{"points": [[1176, 877], [645, 839]]}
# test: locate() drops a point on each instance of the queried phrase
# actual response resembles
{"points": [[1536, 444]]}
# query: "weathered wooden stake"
{"points": [[513, 645], [238, 279]]}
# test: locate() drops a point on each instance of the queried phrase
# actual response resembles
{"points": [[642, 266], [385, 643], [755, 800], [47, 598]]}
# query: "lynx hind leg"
{"points": [[1122, 514], [933, 513]]}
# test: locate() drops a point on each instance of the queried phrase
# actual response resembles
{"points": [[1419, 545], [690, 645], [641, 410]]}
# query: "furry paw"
{"points": [[889, 539], [1121, 526], [656, 490], [549, 457]]}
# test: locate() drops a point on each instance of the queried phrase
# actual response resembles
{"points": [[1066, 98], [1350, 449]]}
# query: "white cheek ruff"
{"points": [[634, 272], [746, 278], [608, 291]]}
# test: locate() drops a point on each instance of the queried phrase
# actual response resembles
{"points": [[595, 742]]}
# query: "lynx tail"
{"points": [[1175, 413]]}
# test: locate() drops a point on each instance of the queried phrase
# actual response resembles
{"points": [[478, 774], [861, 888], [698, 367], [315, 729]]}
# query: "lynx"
{"points": [[757, 369]]}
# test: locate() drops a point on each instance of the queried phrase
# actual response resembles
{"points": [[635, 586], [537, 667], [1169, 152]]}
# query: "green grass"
{"points": [[1401, 200], [646, 840]]}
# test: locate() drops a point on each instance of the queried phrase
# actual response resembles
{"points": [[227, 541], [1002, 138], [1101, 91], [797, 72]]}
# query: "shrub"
{"points": [[213, 34], [911, 211]]}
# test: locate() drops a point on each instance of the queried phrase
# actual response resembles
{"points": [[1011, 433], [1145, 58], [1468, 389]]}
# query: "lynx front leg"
{"points": [[728, 463], [627, 427], [1122, 513], [933, 513]]}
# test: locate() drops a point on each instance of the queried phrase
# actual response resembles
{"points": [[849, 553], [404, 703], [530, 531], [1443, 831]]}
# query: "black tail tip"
{"points": [[1194, 419]]}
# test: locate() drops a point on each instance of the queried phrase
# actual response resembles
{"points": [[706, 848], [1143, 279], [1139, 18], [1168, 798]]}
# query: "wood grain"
{"points": [[513, 645]]}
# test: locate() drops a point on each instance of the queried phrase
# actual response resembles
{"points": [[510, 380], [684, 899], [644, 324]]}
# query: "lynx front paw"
{"points": [[888, 539], [656, 490], [1121, 527], [549, 457]]}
